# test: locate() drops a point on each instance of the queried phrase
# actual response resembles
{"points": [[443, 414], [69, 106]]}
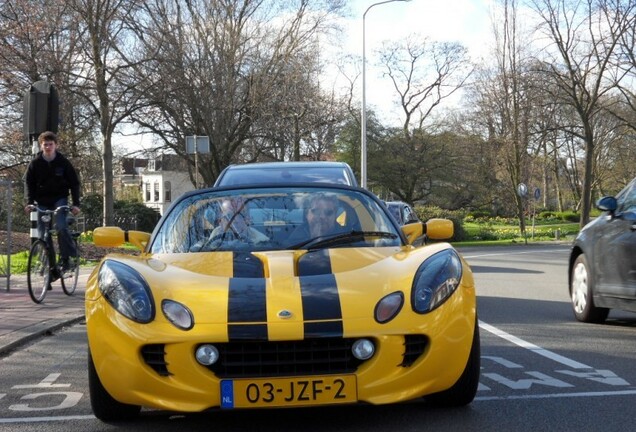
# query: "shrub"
{"points": [[569, 216], [145, 217]]}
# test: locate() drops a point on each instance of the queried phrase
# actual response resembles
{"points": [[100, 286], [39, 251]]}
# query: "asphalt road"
{"points": [[541, 370]]}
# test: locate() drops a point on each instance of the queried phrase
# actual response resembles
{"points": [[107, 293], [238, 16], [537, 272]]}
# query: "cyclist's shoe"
{"points": [[56, 273], [67, 268]]}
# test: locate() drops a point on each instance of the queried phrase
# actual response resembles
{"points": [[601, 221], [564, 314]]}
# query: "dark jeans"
{"points": [[64, 239]]}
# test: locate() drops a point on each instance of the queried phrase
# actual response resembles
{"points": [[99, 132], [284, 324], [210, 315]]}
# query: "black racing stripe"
{"points": [[314, 263], [247, 332], [323, 329], [320, 298], [246, 265], [246, 300]]}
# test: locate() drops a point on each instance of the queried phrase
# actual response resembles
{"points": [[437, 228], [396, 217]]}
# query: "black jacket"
{"points": [[48, 182]]}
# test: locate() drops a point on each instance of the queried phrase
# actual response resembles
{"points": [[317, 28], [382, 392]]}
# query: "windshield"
{"points": [[297, 174], [258, 219]]}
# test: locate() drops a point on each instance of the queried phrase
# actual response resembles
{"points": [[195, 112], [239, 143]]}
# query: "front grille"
{"points": [[414, 347], [285, 358], [154, 356]]}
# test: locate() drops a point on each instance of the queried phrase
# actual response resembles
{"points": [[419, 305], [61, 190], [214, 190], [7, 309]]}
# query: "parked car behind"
{"points": [[602, 267], [287, 172], [402, 212]]}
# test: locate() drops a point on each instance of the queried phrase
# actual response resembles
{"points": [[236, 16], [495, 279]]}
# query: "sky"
{"points": [[465, 21]]}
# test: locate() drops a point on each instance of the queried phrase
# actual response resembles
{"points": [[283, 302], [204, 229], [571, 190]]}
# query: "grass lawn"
{"points": [[502, 233]]}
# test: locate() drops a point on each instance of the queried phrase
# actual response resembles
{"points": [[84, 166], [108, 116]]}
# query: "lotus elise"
{"points": [[236, 302]]}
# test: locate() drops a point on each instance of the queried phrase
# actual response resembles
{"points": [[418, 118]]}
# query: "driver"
{"points": [[234, 223], [321, 217]]}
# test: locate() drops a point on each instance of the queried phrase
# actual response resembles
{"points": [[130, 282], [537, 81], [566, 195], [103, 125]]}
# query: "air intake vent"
{"points": [[287, 358], [154, 356], [414, 347]]}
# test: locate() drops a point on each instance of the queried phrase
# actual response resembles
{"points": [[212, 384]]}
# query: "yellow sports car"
{"points": [[280, 296]]}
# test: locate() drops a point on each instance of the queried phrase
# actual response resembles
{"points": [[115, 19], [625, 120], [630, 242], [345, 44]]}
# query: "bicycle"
{"points": [[43, 266]]}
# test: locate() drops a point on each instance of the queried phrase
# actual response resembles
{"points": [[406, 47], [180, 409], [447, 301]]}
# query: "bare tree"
{"points": [[583, 39], [39, 41], [423, 73], [231, 70], [103, 74]]}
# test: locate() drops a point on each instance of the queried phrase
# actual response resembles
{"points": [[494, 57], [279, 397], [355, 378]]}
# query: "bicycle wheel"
{"points": [[38, 271], [69, 279]]}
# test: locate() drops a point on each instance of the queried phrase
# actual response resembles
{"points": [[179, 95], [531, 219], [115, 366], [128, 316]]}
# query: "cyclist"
{"points": [[49, 178]]}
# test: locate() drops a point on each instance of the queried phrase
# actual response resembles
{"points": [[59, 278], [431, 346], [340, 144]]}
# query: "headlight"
{"points": [[436, 279], [126, 291]]}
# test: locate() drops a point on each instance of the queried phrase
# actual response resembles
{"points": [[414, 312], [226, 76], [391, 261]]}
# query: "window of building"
{"points": [[156, 194], [167, 192], [147, 188]]}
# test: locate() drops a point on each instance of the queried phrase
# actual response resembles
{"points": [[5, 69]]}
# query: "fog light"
{"points": [[363, 349], [207, 354]]}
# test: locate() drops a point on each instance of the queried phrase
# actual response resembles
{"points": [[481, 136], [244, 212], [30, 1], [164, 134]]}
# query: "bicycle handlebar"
{"points": [[47, 211]]}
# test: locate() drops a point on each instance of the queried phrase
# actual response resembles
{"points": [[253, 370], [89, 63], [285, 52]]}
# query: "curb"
{"points": [[19, 338]]}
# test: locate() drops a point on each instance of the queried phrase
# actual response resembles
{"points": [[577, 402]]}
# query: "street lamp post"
{"points": [[363, 121]]}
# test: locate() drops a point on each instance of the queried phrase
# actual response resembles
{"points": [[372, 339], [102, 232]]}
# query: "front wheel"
{"points": [[69, 279], [582, 293], [38, 271]]}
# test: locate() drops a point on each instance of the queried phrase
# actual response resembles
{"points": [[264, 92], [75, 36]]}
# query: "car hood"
{"points": [[322, 286]]}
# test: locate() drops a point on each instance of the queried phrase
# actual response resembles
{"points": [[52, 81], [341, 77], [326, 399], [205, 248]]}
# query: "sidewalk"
{"points": [[22, 320]]}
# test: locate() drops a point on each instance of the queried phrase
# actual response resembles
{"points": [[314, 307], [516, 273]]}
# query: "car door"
{"points": [[616, 251]]}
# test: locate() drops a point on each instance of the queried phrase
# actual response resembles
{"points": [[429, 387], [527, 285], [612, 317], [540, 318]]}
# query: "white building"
{"points": [[161, 179]]}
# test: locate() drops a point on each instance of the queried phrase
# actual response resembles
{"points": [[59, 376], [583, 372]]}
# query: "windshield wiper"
{"points": [[347, 237]]}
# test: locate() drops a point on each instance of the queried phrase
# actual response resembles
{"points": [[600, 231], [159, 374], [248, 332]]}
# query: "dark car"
{"points": [[602, 267], [287, 172], [402, 212]]}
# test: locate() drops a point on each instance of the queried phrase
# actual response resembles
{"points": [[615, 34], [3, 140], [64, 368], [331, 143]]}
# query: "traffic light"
{"points": [[41, 109]]}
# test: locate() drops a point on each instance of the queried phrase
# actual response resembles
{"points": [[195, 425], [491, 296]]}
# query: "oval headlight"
{"points": [[126, 291], [177, 314], [437, 278]]}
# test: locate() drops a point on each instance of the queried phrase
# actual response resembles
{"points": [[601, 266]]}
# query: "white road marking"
{"points": [[534, 251], [45, 419], [45, 383], [557, 395], [534, 348]]}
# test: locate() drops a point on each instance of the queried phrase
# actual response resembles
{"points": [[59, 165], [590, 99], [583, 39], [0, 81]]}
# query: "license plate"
{"points": [[281, 392]]}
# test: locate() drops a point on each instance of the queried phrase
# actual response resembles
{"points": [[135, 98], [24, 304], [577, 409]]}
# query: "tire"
{"points": [[38, 271], [464, 390], [104, 406], [69, 280], [582, 293]]}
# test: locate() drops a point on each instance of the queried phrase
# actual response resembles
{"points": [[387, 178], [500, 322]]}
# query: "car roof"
{"points": [[292, 172], [290, 164]]}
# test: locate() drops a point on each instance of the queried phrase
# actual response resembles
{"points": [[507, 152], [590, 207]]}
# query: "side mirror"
{"points": [[439, 229], [435, 229], [607, 203], [115, 237]]}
